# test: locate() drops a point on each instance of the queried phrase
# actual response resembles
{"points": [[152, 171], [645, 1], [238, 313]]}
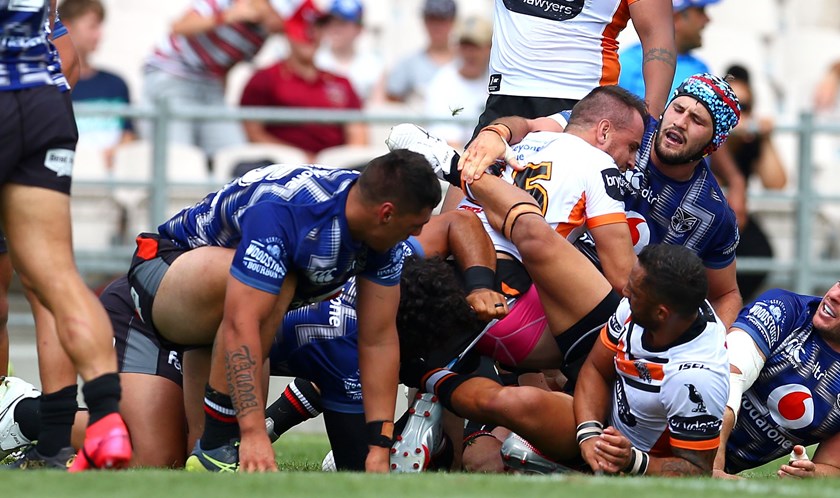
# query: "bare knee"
{"points": [[533, 237]]}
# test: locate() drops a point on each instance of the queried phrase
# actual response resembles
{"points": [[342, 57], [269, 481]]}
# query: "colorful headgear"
{"points": [[718, 98]]}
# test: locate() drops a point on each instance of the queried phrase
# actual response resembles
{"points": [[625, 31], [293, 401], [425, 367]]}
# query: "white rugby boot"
{"points": [[422, 436]]}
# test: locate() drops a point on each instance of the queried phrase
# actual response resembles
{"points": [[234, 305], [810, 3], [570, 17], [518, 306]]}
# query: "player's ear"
{"points": [[603, 131], [386, 212]]}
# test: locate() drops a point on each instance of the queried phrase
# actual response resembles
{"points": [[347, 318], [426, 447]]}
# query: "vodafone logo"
{"points": [[791, 406], [639, 231]]}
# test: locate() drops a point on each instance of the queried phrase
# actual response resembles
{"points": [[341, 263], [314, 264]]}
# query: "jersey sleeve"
{"points": [[694, 398], [386, 268], [265, 252], [768, 319], [611, 333], [604, 199], [720, 251]]}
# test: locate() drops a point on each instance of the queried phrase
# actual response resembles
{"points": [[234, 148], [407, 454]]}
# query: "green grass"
{"points": [[300, 456]]}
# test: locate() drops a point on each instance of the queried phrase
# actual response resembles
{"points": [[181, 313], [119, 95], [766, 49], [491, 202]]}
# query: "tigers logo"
{"points": [[644, 373], [791, 406], [683, 222]]}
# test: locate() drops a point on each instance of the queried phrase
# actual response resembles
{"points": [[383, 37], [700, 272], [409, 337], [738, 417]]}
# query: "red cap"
{"points": [[299, 25]]}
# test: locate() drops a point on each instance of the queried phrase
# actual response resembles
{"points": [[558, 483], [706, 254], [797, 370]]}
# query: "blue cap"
{"points": [[681, 5], [718, 98], [349, 10]]}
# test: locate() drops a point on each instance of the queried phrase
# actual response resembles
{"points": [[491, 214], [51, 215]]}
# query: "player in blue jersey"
{"points": [[671, 195], [36, 159], [299, 234], [784, 349]]}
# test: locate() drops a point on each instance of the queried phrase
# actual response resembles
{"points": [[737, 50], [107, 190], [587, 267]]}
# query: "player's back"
{"points": [[309, 193]]}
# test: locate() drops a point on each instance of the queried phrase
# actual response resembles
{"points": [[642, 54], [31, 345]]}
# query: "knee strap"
{"points": [[513, 214]]}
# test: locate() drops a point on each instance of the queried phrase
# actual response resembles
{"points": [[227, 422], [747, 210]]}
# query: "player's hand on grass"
{"points": [[721, 474], [378, 460], [800, 467], [256, 454], [613, 450]]}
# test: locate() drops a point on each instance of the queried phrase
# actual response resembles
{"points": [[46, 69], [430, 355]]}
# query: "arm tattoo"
{"points": [[661, 55], [241, 379], [688, 463]]}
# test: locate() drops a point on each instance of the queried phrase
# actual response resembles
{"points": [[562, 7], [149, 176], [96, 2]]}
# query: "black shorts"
{"points": [[138, 347], [499, 106], [37, 138], [149, 264]]}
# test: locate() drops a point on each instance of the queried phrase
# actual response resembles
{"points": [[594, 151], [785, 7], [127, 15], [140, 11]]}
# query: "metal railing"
{"points": [[801, 274]]}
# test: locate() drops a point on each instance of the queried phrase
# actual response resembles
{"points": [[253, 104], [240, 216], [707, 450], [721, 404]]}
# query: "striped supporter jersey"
{"points": [[575, 184], [281, 218], [24, 44], [669, 398], [796, 398], [556, 48], [210, 54]]}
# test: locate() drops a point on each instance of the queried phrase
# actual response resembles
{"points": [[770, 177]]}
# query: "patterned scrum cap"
{"points": [[718, 98]]}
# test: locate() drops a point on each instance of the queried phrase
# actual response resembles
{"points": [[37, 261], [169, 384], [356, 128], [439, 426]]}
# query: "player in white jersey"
{"points": [[548, 55], [681, 354]]}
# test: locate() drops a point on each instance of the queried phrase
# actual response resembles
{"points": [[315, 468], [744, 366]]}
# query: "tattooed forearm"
{"points": [[241, 379], [661, 55], [686, 463]]}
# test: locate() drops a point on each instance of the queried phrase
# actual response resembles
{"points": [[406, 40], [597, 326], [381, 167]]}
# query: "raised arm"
{"points": [[653, 21]]}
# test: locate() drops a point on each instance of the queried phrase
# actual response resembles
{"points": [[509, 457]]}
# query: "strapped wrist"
{"points": [[589, 429], [380, 433], [479, 277], [500, 129], [639, 461]]}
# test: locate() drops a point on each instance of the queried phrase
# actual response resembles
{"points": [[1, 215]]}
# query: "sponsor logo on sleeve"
{"points": [[695, 397], [264, 259], [612, 183], [60, 161], [707, 425], [765, 316]]}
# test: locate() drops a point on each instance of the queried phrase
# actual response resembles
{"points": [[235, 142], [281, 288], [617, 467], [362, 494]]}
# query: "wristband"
{"points": [[377, 433], [510, 132], [498, 130], [479, 277], [589, 429], [638, 462]]}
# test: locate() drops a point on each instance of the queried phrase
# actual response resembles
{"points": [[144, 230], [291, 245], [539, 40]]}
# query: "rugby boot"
{"points": [[422, 436], [31, 459], [520, 455], [12, 391], [107, 445], [439, 154], [225, 458]]}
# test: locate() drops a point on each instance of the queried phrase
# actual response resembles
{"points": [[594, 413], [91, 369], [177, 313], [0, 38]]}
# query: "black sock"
{"points": [[28, 417], [299, 402], [102, 396], [58, 410], [220, 424]]}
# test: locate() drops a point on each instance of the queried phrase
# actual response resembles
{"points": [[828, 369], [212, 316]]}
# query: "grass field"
{"points": [[300, 456]]}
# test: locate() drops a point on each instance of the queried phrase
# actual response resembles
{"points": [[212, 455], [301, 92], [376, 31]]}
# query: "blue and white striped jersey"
{"points": [[24, 44], [285, 218], [796, 398]]}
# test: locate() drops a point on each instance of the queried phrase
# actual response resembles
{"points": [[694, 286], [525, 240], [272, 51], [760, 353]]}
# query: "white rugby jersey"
{"points": [[673, 397], [575, 184], [555, 48]]}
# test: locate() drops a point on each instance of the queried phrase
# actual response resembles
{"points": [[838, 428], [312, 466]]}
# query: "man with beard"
{"points": [[671, 196]]}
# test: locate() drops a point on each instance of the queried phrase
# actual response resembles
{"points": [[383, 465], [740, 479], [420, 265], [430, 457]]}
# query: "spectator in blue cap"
{"points": [[344, 51]]}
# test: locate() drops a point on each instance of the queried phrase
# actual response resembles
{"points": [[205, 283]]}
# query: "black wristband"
{"points": [[479, 277], [375, 437]]}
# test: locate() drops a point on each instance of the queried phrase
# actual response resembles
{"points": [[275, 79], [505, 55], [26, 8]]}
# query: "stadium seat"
{"points": [[186, 165], [226, 159], [95, 214]]}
